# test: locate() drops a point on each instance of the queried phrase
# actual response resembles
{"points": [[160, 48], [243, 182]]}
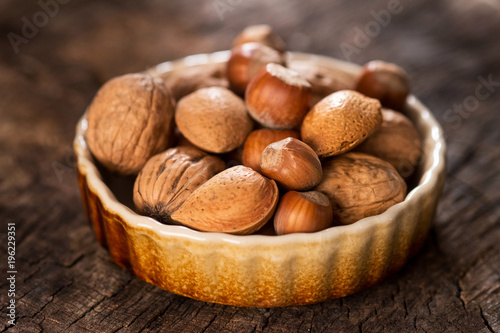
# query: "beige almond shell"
{"points": [[360, 185], [238, 200], [168, 179], [263, 34], [396, 141], [130, 120], [340, 122], [185, 81], [323, 79], [213, 119]]}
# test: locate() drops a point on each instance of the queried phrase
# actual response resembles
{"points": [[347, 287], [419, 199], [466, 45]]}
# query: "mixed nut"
{"points": [[312, 153]]}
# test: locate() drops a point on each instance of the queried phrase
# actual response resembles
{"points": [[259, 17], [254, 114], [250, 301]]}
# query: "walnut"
{"points": [[168, 179], [396, 141], [360, 185], [129, 120]]}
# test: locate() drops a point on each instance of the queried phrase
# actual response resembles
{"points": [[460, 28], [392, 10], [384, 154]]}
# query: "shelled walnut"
{"points": [[170, 177], [360, 185], [130, 120]]}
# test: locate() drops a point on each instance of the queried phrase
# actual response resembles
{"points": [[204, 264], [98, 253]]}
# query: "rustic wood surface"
{"points": [[67, 283]]}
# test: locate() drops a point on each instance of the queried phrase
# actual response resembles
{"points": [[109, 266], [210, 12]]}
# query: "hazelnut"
{"points": [[360, 185], [213, 119], [303, 212], [278, 97], [263, 34], [238, 200], [170, 177], [187, 80], [385, 81], [324, 80], [130, 120], [396, 141], [292, 163], [258, 140], [340, 122], [246, 60]]}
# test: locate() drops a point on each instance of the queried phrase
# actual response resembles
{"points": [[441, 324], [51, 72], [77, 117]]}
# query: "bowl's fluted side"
{"points": [[266, 271], [263, 275]]}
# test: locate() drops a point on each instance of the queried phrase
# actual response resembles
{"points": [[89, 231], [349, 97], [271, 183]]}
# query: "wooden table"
{"points": [[66, 283]]}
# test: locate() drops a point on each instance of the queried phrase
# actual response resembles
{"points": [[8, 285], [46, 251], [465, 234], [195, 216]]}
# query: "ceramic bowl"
{"points": [[260, 270]]}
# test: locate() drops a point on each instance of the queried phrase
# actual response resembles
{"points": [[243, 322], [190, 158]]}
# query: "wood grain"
{"points": [[67, 283]]}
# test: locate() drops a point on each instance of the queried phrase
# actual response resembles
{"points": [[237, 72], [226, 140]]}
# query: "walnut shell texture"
{"points": [[213, 119], [168, 179], [238, 200], [396, 141], [360, 185], [130, 120], [340, 122]]}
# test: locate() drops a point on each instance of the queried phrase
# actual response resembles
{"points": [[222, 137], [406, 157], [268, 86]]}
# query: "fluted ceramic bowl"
{"points": [[259, 270]]}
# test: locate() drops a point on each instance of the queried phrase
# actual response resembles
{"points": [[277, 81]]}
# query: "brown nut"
{"points": [[278, 97], [180, 140], [324, 80], [130, 120], [213, 119], [292, 163], [263, 34], [258, 140], [303, 212], [360, 185], [168, 179], [237, 201], [396, 141], [386, 82], [246, 60], [187, 80], [340, 122]]}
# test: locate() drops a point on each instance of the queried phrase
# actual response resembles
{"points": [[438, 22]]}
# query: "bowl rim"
{"points": [[428, 181]]}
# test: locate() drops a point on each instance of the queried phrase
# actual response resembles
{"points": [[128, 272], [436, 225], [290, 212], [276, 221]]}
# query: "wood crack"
{"points": [[459, 295], [485, 321]]}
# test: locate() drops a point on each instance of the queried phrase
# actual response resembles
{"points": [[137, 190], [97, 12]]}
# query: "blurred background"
{"points": [[55, 54]]}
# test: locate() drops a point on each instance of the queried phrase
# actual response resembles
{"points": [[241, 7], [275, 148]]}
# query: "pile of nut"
{"points": [[311, 155]]}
